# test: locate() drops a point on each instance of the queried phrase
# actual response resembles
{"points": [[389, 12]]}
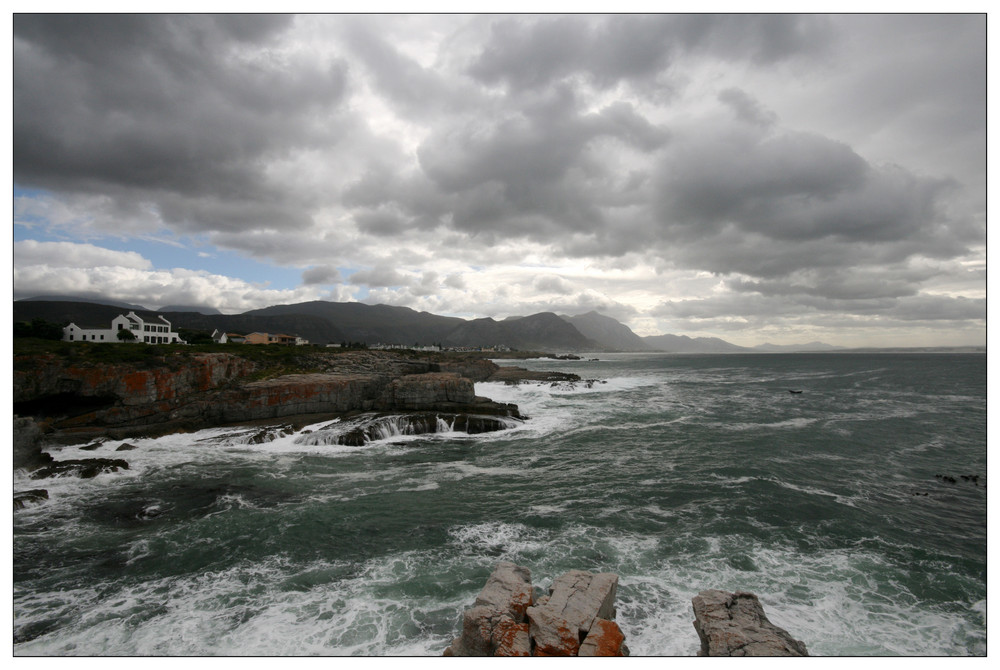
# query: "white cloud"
{"points": [[74, 255]]}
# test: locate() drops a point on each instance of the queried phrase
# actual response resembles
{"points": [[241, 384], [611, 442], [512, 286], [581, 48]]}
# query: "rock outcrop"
{"points": [[576, 618], [189, 392], [514, 375], [85, 468], [734, 624]]}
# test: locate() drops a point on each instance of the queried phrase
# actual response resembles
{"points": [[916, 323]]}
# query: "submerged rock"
{"points": [[380, 427], [734, 624], [34, 495], [84, 468]]}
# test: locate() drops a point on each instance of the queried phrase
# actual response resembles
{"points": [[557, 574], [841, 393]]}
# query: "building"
{"points": [[148, 327], [271, 338], [219, 337]]}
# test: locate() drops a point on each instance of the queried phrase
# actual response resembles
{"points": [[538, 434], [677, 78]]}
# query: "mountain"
{"points": [[93, 315], [200, 309], [315, 329], [323, 322], [91, 299], [611, 334], [373, 324], [769, 348], [682, 344], [83, 314]]}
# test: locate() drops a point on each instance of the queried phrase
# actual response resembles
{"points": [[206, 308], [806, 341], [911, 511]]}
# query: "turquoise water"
{"points": [[679, 473]]}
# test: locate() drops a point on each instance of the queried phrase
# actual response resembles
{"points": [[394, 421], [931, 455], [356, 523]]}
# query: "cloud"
{"points": [[677, 170], [69, 255], [323, 274], [607, 50], [747, 108], [169, 111], [156, 288], [380, 277], [552, 284]]}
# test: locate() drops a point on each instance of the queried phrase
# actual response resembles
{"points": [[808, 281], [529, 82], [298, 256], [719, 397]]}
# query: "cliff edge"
{"points": [[72, 398]]}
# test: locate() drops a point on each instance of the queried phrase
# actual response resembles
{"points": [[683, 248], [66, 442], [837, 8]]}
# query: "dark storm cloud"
{"points": [[747, 108], [607, 50], [767, 204], [322, 274], [380, 276], [418, 92], [172, 107], [535, 173], [684, 144]]}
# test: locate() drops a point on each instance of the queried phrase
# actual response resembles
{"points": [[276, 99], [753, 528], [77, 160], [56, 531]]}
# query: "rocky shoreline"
{"points": [[60, 401], [73, 401], [576, 617]]}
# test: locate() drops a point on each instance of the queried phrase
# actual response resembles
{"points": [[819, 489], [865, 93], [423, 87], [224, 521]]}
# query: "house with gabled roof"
{"points": [[148, 327]]}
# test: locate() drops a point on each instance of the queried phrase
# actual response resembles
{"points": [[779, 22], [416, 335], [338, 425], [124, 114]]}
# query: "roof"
{"points": [[90, 326], [148, 316]]}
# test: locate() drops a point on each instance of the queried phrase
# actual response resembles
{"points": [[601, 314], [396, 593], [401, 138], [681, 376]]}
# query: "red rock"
{"points": [[552, 635], [605, 639], [511, 639]]}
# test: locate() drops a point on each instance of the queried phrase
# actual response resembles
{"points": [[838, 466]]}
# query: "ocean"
{"points": [[855, 510]]}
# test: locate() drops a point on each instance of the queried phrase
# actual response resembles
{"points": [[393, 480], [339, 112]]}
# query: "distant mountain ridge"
{"points": [[323, 322], [682, 344], [612, 334]]}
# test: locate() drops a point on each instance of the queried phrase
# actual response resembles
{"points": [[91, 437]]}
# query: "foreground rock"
{"points": [[574, 619], [734, 624]]}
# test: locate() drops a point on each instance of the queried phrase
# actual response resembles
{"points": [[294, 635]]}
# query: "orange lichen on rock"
{"points": [[605, 639], [511, 638]]}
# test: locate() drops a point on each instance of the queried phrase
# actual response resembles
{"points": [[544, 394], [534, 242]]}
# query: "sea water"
{"points": [[836, 506]]}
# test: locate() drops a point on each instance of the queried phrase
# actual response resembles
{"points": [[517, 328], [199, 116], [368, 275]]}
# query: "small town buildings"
{"points": [[219, 337], [271, 338], [148, 327]]}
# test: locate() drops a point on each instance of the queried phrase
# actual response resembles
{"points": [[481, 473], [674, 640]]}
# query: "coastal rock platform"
{"points": [[74, 401]]}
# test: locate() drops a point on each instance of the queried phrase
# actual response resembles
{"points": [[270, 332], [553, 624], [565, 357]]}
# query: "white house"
{"points": [[148, 327]]}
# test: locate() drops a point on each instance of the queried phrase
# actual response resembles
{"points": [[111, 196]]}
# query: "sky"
{"points": [[760, 178]]}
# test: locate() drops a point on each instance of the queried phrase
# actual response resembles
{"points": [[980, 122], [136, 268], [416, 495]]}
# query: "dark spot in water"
{"points": [[34, 629]]}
